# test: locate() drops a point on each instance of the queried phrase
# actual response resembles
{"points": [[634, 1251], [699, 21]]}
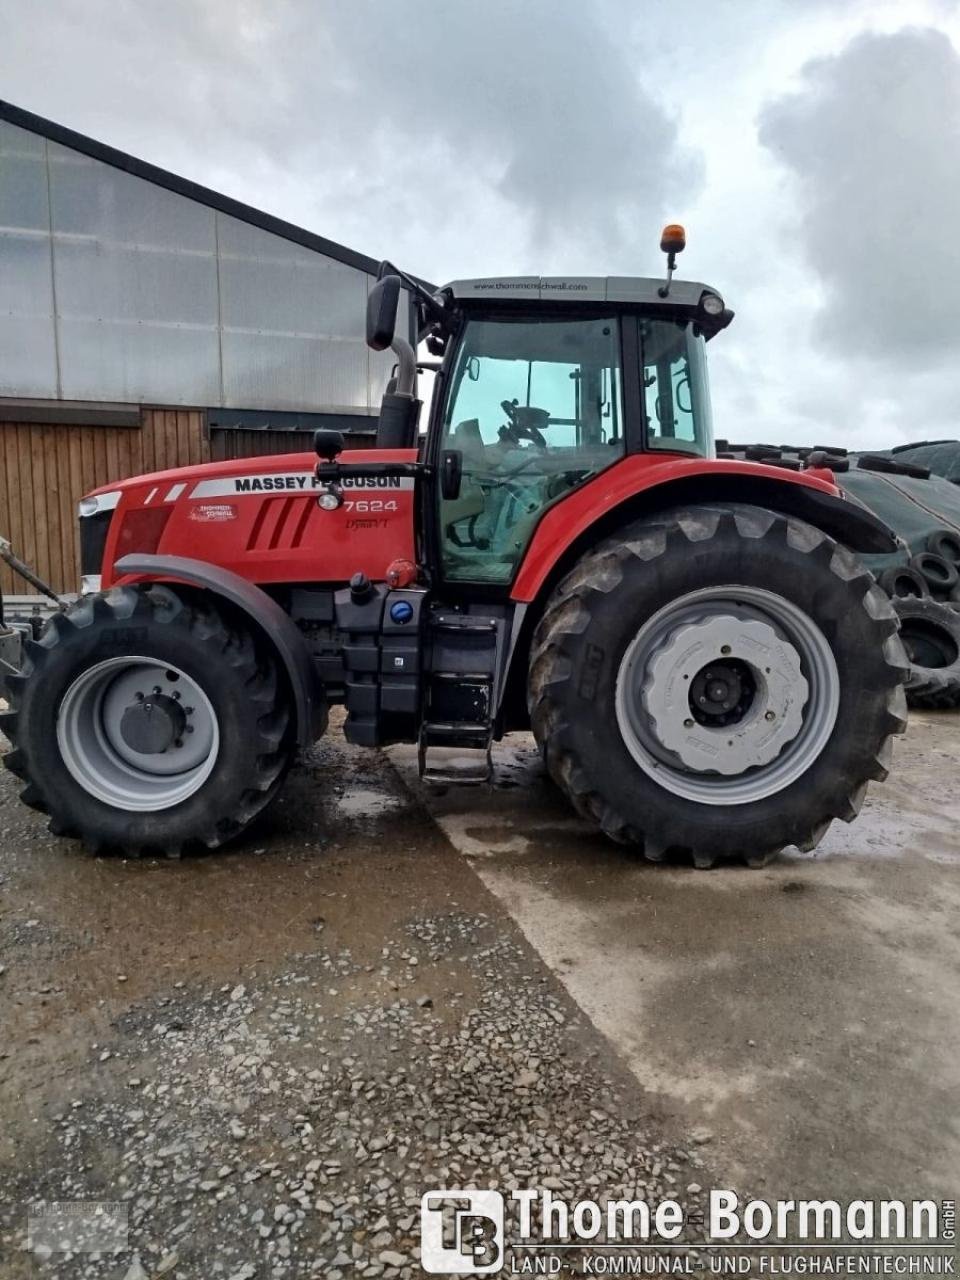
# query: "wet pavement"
{"points": [[809, 1013], [400, 986]]}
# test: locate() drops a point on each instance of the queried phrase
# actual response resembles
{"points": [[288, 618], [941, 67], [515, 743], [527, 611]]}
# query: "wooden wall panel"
{"points": [[249, 444], [46, 468]]}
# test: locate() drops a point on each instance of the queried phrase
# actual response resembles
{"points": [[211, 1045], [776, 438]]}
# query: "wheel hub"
{"points": [[721, 693], [153, 725], [725, 693]]}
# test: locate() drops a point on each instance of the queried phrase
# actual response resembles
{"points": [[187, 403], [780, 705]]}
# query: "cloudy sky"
{"points": [[809, 146]]}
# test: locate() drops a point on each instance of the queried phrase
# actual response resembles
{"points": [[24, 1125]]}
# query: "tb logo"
{"points": [[461, 1233]]}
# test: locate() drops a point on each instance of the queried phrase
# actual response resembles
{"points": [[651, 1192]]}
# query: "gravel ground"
{"points": [[268, 1055]]}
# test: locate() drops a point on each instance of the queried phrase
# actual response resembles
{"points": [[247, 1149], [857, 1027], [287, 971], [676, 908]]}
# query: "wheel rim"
{"points": [[138, 734], [727, 695]]}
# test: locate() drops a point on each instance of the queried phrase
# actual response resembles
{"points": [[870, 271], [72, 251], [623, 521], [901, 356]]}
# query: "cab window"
{"points": [[535, 409], [675, 396]]}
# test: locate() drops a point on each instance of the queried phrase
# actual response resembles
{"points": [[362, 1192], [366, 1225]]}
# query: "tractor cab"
{"points": [[544, 383], [548, 382]]}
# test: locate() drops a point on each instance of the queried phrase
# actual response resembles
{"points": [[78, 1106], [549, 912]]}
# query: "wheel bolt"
{"points": [[138, 696], [176, 695], [770, 715], [188, 710], [157, 689], [189, 728], [178, 742], [688, 724], [725, 648]]}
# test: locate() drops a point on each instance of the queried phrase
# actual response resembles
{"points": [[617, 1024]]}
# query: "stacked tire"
{"points": [[930, 632], [930, 574], [926, 595]]}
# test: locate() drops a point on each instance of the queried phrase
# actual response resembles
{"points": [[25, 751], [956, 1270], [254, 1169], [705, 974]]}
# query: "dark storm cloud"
{"points": [[872, 139], [541, 95], [413, 109]]}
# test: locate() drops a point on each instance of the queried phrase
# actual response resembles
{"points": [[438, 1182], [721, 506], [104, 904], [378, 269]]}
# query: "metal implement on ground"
{"points": [[708, 667]]}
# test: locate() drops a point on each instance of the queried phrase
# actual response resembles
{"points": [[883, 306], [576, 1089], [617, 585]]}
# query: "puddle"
{"points": [[365, 802]]}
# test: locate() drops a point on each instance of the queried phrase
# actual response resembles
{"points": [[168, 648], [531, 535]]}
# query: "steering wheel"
{"points": [[499, 481], [518, 429]]}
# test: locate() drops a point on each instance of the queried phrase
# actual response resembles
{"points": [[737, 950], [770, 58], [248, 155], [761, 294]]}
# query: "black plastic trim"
{"points": [[93, 541], [272, 420], [634, 427], [264, 612]]}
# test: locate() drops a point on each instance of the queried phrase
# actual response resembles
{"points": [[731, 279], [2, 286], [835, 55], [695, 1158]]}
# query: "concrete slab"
{"points": [[807, 1014]]}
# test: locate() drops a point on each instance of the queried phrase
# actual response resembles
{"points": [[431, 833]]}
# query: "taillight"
{"points": [[142, 529]]}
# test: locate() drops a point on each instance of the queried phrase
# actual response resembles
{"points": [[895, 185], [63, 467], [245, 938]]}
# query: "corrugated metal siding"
{"points": [[115, 288], [45, 469]]}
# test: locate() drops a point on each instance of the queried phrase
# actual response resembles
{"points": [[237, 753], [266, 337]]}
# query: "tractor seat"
{"points": [[468, 438]]}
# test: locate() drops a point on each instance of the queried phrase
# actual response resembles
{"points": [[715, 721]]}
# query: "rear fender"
{"points": [[277, 628], [622, 494]]}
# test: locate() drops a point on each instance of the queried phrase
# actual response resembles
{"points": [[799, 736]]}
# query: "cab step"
{"points": [[455, 752]]}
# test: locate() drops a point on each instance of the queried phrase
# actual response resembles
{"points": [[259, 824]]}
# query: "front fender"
{"points": [[309, 701]]}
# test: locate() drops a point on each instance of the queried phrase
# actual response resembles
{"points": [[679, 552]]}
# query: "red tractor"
{"points": [[703, 661]]}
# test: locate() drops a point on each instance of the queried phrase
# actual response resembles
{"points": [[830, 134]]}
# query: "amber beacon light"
{"points": [[673, 240]]}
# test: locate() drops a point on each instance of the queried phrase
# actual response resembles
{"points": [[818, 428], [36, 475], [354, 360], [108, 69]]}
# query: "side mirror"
{"points": [[327, 445], [382, 312], [451, 474]]}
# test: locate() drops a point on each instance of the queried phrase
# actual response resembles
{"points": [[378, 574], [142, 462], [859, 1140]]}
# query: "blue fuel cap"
{"points": [[401, 611]]}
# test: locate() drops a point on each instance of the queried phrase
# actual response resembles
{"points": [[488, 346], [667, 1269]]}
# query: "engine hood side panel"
{"points": [[259, 518]]}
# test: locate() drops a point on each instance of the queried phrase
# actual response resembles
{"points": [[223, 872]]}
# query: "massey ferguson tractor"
{"points": [[705, 664]]}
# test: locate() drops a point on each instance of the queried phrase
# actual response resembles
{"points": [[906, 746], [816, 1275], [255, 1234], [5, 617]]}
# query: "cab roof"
{"points": [[627, 289]]}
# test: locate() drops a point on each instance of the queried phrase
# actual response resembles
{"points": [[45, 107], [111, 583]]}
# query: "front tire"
{"points": [[146, 721], [722, 681]]}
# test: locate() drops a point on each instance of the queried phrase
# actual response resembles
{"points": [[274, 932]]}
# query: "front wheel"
{"points": [[720, 680], [147, 721]]}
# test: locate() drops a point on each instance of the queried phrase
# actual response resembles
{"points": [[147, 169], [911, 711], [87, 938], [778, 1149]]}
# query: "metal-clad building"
{"points": [[146, 322]]}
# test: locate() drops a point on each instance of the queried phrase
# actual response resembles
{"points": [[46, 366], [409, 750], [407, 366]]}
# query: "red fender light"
{"points": [[141, 530]]}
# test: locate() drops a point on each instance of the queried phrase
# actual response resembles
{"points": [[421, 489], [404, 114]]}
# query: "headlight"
{"points": [[712, 304], [97, 502]]}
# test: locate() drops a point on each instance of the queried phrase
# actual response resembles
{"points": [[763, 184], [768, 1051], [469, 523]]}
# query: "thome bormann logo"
{"points": [[462, 1234]]}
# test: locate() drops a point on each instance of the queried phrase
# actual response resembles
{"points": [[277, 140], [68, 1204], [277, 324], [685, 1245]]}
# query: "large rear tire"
{"points": [[723, 681], [146, 721]]}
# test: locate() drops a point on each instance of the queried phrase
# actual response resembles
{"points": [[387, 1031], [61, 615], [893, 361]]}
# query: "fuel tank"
{"points": [[258, 517]]}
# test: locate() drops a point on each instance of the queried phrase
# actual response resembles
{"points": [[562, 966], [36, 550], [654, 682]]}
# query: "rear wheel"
{"points": [[722, 680], [145, 721]]}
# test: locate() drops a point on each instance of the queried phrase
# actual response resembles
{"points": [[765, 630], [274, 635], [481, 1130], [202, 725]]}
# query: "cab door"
{"points": [[535, 409]]}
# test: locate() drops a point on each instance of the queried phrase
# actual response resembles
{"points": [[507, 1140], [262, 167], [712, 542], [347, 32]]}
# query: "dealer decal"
{"points": [[213, 512]]}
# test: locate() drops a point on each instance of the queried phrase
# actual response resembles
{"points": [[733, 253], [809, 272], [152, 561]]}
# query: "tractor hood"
{"points": [[257, 517]]}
